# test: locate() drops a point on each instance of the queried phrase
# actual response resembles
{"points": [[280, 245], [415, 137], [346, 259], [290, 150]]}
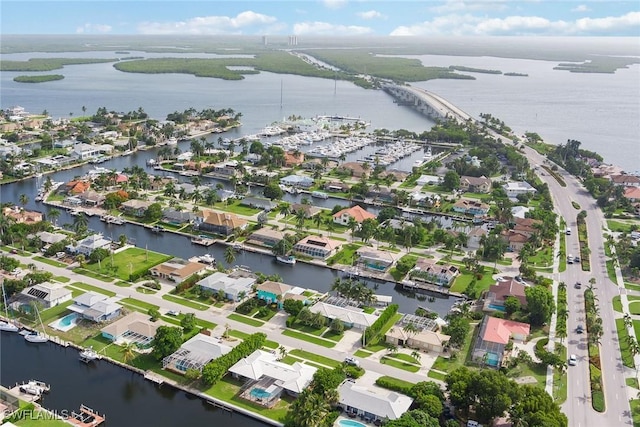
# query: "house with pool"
{"points": [[276, 292], [134, 327], [195, 354], [351, 317], [96, 307], [372, 404], [507, 287], [234, 288], [493, 336], [266, 378], [374, 259]]}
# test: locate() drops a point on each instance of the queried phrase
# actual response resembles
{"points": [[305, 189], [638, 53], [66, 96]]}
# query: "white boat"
{"points": [[286, 259], [172, 141], [37, 336], [319, 195], [34, 388], [7, 326], [89, 354], [207, 259]]}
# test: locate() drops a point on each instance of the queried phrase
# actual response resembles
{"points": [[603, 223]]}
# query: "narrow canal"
{"points": [[126, 398]]}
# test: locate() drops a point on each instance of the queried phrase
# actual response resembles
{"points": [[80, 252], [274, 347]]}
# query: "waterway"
{"points": [[126, 398]]}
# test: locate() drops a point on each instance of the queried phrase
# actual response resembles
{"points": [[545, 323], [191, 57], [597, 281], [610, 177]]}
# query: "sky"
{"points": [[324, 17]]}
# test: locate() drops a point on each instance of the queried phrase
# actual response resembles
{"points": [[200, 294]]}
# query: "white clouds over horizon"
{"points": [[213, 24], [468, 25], [334, 4], [451, 6], [90, 28], [581, 8], [328, 29], [371, 14]]}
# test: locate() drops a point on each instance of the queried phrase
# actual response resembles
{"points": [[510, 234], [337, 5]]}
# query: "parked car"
{"points": [[351, 361], [173, 313], [576, 259], [578, 285], [573, 360], [579, 329]]}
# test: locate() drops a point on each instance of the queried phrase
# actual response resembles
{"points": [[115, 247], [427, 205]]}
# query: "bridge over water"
{"points": [[425, 102]]}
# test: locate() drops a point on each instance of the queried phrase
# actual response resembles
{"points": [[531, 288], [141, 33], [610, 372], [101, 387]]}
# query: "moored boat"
{"points": [[286, 259], [88, 355]]}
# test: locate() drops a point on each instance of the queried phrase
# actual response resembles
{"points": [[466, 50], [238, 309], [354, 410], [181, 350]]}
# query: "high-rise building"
{"points": [[293, 40], [265, 41]]}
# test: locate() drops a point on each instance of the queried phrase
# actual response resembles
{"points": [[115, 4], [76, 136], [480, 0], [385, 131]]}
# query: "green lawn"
{"points": [[617, 304], [93, 274], [611, 271], [462, 281], [143, 306], [377, 343], [332, 335], [127, 262], [542, 258], [54, 312], [627, 357], [61, 279], [405, 357], [386, 360], [123, 284], [563, 253], [290, 360], [308, 329], [88, 287], [634, 307], [448, 364], [185, 302], [41, 420], [50, 261], [309, 338], [244, 319], [346, 254], [227, 389], [436, 375], [632, 382], [635, 411], [315, 358], [362, 353], [618, 226], [397, 382]]}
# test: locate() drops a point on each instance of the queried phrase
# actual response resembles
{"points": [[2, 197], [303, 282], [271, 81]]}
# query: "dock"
{"points": [[203, 241], [86, 417], [422, 286]]}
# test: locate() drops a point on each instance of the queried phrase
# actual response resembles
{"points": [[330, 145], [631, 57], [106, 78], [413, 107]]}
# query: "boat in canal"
{"points": [[89, 355], [286, 259], [7, 326], [34, 388], [37, 336]]}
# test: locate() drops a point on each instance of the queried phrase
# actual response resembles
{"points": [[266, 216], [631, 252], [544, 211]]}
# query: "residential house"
{"points": [[91, 198], [84, 151], [234, 288], [263, 368], [514, 189], [605, 171], [527, 226], [475, 236], [90, 244], [134, 325], [136, 207], [428, 180], [48, 294], [515, 240], [309, 210], [474, 184], [265, 237], [520, 211], [222, 223], [225, 170], [372, 403], [336, 187], [374, 259], [632, 193], [471, 207], [397, 175], [259, 203], [497, 293], [355, 212], [626, 180], [177, 270], [300, 181], [354, 169], [21, 216], [50, 238], [277, 292], [317, 246], [493, 336], [195, 353], [174, 216], [429, 271], [96, 307], [424, 339], [293, 158], [76, 187], [352, 317]]}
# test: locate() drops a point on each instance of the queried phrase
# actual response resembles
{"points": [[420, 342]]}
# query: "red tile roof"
{"points": [[356, 213], [500, 330]]}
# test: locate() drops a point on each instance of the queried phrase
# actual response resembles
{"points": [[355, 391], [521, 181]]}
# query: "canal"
{"points": [[126, 398]]}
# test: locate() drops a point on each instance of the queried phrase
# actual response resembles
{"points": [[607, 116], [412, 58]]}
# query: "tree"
{"points": [[54, 214], [128, 351], [511, 305], [167, 340], [24, 199], [98, 255], [292, 307], [80, 222], [337, 326], [188, 322], [153, 212], [273, 191], [451, 181], [540, 304], [457, 329], [154, 314], [229, 255]]}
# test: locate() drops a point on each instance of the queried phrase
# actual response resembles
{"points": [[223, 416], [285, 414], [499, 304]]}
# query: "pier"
{"points": [[203, 241]]}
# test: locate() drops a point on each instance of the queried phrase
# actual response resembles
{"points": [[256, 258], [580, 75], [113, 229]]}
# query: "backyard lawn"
{"points": [[130, 261], [463, 280]]}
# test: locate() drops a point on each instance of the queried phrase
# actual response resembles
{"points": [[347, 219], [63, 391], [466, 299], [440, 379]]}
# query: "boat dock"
{"points": [[422, 286], [203, 241], [86, 417], [110, 219]]}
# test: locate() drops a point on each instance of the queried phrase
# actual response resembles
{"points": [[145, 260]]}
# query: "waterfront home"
{"points": [[493, 336], [234, 288], [336, 187], [625, 180], [177, 270], [53, 162], [424, 339], [195, 354], [293, 158], [91, 198], [425, 199], [50, 238], [428, 180], [174, 216], [259, 203], [76, 187], [353, 169], [317, 247], [605, 171], [471, 207], [136, 207], [374, 259], [266, 378], [9, 150], [84, 151], [265, 237], [372, 403], [300, 181], [396, 174], [429, 271], [276, 292], [21, 216], [508, 287], [48, 294], [96, 307], [308, 210], [89, 244], [632, 193], [135, 326], [475, 237], [527, 226], [475, 184], [514, 189], [356, 212], [351, 317], [222, 223]]}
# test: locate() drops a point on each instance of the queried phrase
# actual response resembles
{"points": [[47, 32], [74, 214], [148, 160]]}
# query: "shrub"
{"points": [[216, 369], [247, 306], [393, 384], [372, 331], [354, 371]]}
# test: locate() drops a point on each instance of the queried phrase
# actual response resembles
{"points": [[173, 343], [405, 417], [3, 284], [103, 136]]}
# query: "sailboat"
{"points": [[37, 336], [6, 326]]}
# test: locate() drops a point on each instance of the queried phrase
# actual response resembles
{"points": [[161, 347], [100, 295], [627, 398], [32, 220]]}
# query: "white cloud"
{"points": [[581, 8], [93, 28], [210, 24], [370, 14], [451, 6], [327, 29], [334, 4], [468, 25]]}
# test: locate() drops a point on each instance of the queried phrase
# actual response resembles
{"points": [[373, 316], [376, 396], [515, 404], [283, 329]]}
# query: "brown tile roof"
{"points": [[500, 330], [509, 287], [224, 219], [356, 213], [276, 288]]}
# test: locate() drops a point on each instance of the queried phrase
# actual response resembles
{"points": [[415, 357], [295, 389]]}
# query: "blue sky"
{"points": [[324, 17]]}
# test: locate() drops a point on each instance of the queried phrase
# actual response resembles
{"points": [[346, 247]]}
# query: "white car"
{"points": [[173, 313], [573, 360], [351, 361]]}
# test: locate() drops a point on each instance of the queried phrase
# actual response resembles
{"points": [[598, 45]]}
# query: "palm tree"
{"points": [[128, 352], [416, 355], [301, 216], [317, 220], [229, 255], [80, 222], [54, 214], [282, 352], [23, 200], [285, 209]]}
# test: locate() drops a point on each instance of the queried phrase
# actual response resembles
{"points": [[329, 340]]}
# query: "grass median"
{"points": [[309, 338]]}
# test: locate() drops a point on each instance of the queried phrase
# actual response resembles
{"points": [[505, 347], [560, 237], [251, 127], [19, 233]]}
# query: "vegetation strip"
{"points": [[594, 333], [244, 319], [584, 241], [309, 338], [92, 288], [185, 302]]}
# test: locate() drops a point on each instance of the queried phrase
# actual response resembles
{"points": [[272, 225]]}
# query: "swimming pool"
{"points": [[497, 307], [350, 423], [67, 322], [259, 393], [492, 359]]}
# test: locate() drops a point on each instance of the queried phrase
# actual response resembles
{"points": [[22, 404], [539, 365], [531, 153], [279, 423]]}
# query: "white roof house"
{"points": [[259, 364], [89, 244], [195, 353], [350, 316], [428, 179], [372, 402], [231, 286], [96, 307], [519, 211], [513, 189], [50, 294]]}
